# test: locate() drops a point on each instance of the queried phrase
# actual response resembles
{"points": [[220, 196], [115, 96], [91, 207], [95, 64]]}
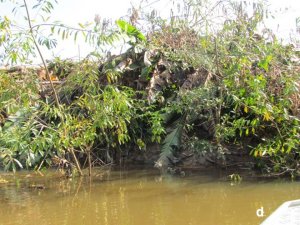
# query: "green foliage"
{"points": [[19, 102], [259, 84], [170, 145], [99, 115], [157, 128], [209, 88], [200, 147], [18, 40], [254, 83], [61, 68], [130, 30], [259, 104]]}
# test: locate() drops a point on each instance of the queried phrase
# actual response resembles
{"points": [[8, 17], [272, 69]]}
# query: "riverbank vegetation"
{"points": [[223, 96]]}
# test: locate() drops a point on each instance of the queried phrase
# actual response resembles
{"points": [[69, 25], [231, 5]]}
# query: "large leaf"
{"points": [[130, 30], [171, 143]]}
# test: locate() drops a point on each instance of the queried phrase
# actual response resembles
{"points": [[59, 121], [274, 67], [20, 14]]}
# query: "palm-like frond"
{"points": [[171, 143]]}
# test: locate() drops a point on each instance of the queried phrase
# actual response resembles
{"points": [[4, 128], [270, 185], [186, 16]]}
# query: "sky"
{"points": [[286, 13], [72, 12]]}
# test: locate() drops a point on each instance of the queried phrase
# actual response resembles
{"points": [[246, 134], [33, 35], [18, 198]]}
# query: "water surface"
{"points": [[139, 197]]}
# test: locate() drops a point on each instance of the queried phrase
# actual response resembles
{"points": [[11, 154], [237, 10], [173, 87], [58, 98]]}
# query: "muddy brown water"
{"points": [[139, 197]]}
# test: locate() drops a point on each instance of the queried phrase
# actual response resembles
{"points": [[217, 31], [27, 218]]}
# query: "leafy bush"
{"points": [[184, 82]]}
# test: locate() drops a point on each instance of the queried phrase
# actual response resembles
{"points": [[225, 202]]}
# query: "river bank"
{"points": [[177, 97]]}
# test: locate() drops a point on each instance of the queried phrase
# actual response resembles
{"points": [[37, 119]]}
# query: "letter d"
{"points": [[260, 212]]}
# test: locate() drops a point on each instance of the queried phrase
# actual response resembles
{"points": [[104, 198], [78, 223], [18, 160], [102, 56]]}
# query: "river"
{"points": [[139, 197]]}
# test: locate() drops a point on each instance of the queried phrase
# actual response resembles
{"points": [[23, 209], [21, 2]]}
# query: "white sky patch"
{"points": [[72, 12], [284, 23]]}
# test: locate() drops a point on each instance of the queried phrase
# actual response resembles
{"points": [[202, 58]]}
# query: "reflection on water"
{"points": [[139, 198]]}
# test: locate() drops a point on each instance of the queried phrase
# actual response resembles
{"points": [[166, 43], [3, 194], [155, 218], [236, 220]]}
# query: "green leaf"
{"points": [[130, 30], [145, 72], [171, 143], [75, 36], [63, 34], [18, 162], [264, 64], [81, 25]]}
